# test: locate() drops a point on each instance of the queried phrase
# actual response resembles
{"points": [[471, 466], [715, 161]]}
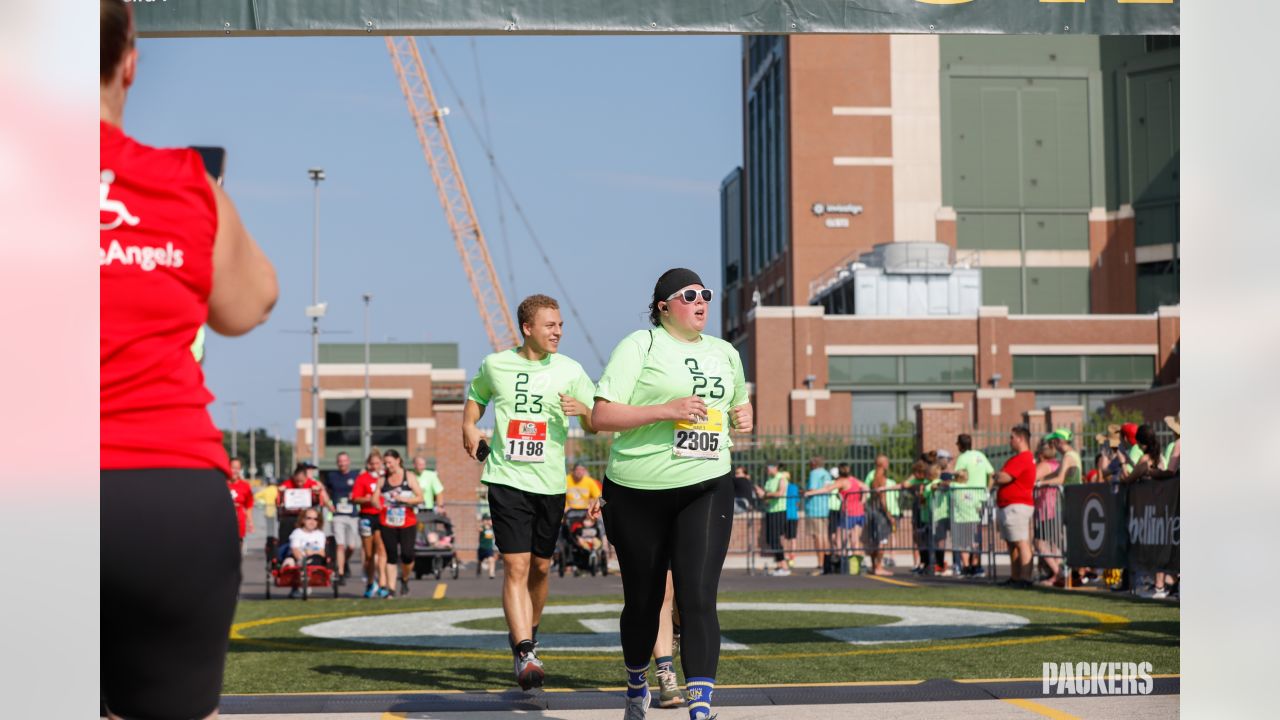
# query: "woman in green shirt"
{"points": [[671, 394]]}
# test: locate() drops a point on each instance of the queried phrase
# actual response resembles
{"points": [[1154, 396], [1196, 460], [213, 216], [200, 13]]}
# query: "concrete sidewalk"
{"points": [[1085, 708]]}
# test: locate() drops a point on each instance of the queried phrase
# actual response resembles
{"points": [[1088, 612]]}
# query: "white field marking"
{"points": [[440, 628]]}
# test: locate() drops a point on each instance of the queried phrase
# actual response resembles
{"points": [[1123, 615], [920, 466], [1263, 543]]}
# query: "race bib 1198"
{"points": [[699, 439], [526, 440]]}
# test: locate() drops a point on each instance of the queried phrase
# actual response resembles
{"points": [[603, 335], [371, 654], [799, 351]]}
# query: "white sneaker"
{"points": [[780, 572]]}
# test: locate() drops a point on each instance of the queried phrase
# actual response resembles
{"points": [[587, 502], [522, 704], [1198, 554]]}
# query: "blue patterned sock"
{"points": [[699, 690], [637, 682]]}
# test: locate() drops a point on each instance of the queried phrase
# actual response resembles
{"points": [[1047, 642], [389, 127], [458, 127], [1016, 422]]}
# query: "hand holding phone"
{"points": [[482, 450]]}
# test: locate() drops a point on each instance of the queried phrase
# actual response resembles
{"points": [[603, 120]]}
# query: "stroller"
{"points": [[318, 572], [578, 532], [433, 549]]}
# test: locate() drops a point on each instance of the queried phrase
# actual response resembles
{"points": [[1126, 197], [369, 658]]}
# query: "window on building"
{"points": [[872, 411], [1038, 372], [1158, 284], [880, 371], [1092, 401], [342, 422], [389, 423]]}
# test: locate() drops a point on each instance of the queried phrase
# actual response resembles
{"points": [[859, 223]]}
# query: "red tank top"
{"points": [[158, 219]]}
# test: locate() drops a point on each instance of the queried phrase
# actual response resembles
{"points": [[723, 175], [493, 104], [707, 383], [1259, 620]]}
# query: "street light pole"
{"points": [[366, 411], [235, 449], [315, 312]]}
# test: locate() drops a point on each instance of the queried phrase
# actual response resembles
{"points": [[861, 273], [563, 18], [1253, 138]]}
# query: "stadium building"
{"points": [[410, 386], [987, 224]]}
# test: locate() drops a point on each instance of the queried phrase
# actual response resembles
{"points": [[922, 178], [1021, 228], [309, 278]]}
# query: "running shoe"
{"points": [[637, 707], [669, 694], [529, 672], [294, 594], [371, 590], [385, 594]]}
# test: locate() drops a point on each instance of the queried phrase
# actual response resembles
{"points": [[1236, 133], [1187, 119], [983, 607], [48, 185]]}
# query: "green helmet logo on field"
{"points": [[447, 628]]}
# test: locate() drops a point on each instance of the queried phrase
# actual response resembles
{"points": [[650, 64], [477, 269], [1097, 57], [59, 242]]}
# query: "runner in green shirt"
{"points": [[671, 394], [969, 499], [534, 391]]}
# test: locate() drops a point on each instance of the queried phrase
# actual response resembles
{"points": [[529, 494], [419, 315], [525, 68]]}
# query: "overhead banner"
{"points": [[1094, 515], [1153, 525], [173, 18]]}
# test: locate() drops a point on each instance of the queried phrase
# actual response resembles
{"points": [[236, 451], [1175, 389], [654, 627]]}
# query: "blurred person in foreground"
{"points": [[173, 255]]}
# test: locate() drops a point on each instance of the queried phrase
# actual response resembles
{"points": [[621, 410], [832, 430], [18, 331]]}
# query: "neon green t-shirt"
{"points": [[891, 493], [967, 496], [665, 455], [431, 486], [773, 485], [939, 501], [529, 427]]}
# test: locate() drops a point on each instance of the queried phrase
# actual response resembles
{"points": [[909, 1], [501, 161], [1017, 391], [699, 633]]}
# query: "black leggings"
{"points": [[402, 538], [687, 530], [169, 581]]}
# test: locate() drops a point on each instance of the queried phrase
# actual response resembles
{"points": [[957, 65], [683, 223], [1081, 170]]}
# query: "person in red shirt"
{"points": [[242, 497], [300, 492], [173, 256], [1016, 504], [367, 494]]}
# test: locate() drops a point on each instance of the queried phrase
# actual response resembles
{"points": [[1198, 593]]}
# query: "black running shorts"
{"points": [[524, 521], [169, 580]]}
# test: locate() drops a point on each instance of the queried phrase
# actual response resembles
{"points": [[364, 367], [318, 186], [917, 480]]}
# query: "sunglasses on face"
{"points": [[690, 296]]}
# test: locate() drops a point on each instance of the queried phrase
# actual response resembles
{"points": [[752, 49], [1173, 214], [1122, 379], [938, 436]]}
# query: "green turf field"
{"points": [[268, 654]]}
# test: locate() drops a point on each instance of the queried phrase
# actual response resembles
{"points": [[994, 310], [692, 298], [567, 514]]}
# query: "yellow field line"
{"points": [[441, 588], [1039, 709], [891, 581], [1106, 622]]}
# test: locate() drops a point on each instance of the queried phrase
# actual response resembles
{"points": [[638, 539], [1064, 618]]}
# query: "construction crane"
{"points": [[428, 120]]}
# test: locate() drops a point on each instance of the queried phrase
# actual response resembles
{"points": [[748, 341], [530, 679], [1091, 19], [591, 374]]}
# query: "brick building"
{"points": [[416, 394], [1045, 170]]}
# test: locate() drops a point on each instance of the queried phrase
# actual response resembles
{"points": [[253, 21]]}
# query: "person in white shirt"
{"points": [[308, 541]]}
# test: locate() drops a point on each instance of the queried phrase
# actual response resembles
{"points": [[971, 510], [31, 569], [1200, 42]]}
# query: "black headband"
{"points": [[674, 279]]}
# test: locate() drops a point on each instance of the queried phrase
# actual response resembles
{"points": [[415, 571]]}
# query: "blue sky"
{"points": [[615, 147]]}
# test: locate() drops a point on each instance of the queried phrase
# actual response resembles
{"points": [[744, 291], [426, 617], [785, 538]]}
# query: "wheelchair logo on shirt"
{"points": [[115, 207]]}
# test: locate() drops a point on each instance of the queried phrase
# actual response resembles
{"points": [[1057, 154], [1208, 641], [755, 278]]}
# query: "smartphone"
{"points": [[948, 476], [482, 450], [215, 160]]}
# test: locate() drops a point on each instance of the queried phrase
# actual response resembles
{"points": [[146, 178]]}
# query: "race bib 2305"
{"points": [[699, 439]]}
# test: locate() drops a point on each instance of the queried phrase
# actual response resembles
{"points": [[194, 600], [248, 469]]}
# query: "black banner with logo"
{"points": [[1095, 515], [1152, 525]]}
